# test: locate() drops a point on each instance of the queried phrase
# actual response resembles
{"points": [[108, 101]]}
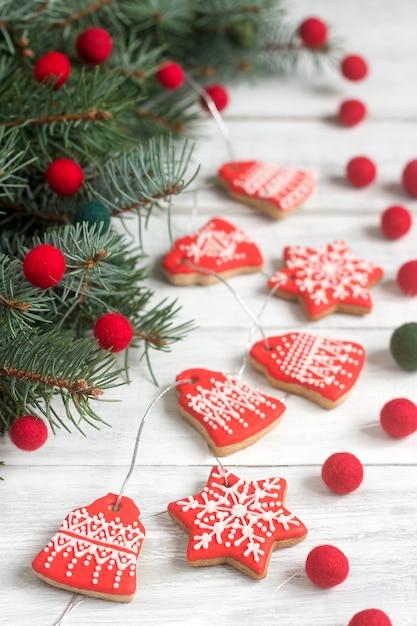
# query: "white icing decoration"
{"points": [[217, 244]]}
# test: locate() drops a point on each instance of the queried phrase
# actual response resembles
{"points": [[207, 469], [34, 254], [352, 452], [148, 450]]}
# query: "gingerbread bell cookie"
{"points": [[273, 189], [218, 247], [326, 279]]}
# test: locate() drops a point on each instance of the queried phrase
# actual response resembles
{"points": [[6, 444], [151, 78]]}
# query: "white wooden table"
{"points": [[287, 121]]}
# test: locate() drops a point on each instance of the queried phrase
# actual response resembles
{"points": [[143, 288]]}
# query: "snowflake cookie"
{"points": [[218, 247], [228, 413], [326, 279], [320, 369], [94, 553], [273, 189], [237, 521]]}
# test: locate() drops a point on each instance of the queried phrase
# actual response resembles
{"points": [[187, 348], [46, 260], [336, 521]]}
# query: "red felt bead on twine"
{"points": [[218, 94], [170, 75], [395, 221], [398, 418], [361, 171], [354, 67], [370, 617], [64, 177], [409, 178], [313, 32], [53, 68], [28, 433], [113, 332], [407, 278], [44, 266], [351, 112], [342, 472], [94, 45], [327, 566]]}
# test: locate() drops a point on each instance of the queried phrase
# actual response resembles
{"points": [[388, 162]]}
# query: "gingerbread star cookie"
{"points": [[326, 279], [218, 247], [94, 553], [237, 521], [320, 369], [228, 413], [273, 189]]}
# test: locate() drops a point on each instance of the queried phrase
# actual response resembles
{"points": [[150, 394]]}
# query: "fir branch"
{"points": [[88, 10], [94, 115]]}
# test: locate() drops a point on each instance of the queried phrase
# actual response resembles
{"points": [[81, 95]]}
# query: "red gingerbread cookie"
{"points": [[218, 247], [325, 280], [228, 413], [273, 189], [237, 521], [320, 369], [94, 553]]}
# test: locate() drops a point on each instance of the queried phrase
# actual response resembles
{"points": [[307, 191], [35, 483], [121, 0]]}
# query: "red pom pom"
{"points": [[52, 68], [361, 171], [28, 433], [44, 266], [395, 221], [313, 32], [94, 45], [113, 332], [407, 278], [354, 67], [342, 472], [218, 94], [64, 176], [398, 418], [170, 75], [326, 566], [409, 178], [370, 617], [351, 112]]}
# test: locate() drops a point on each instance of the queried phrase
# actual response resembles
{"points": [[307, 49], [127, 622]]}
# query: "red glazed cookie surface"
{"points": [[271, 188], [236, 521], [326, 279], [95, 551], [218, 247], [228, 413], [320, 369]]}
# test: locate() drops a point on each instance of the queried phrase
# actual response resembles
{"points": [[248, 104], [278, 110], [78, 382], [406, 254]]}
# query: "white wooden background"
{"points": [[288, 121]]}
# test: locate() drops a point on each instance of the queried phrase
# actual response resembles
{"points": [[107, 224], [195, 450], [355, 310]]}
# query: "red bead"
{"points": [[351, 112], [342, 472], [52, 68], [395, 221], [64, 176], [409, 178], [313, 32], [28, 433], [398, 418], [327, 566], [407, 278], [113, 332], [370, 617], [361, 171], [44, 266], [94, 45], [170, 75], [219, 96], [354, 67]]}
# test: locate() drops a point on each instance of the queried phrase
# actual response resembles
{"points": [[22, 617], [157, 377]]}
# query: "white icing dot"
{"points": [[47, 565], [86, 563], [96, 575], [95, 581], [50, 559], [116, 585], [68, 574]]}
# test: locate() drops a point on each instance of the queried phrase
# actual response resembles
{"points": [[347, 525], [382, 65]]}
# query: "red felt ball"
{"points": [[94, 45], [351, 112], [354, 67], [370, 617], [407, 278], [44, 266], [113, 332], [395, 221], [409, 178], [342, 472], [28, 432], [361, 171], [170, 75], [218, 95], [398, 417], [326, 566], [52, 68], [313, 32], [64, 176]]}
